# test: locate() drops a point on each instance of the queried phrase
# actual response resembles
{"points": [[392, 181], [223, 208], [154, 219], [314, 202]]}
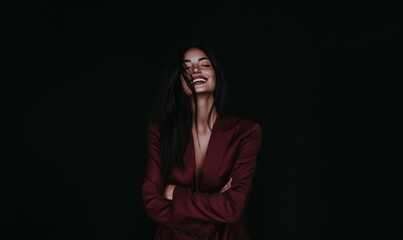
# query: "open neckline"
{"points": [[198, 179]]}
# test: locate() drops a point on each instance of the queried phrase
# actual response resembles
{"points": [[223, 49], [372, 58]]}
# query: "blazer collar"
{"points": [[222, 131], [223, 123]]}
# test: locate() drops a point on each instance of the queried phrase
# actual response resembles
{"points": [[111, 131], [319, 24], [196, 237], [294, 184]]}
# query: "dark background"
{"points": [[81, 81]]}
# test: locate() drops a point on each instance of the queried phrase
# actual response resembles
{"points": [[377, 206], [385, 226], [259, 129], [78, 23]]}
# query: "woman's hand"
{"points": [[226, 186], [168, 191]]}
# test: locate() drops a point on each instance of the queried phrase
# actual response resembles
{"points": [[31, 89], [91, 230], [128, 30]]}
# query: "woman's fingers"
{"points": [[229, 183], [225, 189], [168, 191], [226, 186]]}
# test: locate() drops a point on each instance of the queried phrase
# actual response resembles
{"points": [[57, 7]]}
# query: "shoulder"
{"points": [[242, 125], [246, 132]]}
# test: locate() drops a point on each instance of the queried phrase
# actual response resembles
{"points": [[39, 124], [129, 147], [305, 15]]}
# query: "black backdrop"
{"points": [[81, 84]]}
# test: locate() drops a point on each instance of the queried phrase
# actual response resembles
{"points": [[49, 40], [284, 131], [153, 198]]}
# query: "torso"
{"points": [[200, 147]]}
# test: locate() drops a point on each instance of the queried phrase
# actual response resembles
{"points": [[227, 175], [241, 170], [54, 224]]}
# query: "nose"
{"points": [[196, 70]]}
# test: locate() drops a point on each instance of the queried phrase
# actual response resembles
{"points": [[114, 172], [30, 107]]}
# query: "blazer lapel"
{"points": [[222, 132], [188, 175]]}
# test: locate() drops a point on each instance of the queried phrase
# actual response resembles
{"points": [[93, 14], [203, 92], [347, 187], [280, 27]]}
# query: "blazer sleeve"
{"points": [[157, 207], [224, 207]]}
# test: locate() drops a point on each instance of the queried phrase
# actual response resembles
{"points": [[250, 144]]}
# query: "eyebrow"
{"points": [[200, 59]]}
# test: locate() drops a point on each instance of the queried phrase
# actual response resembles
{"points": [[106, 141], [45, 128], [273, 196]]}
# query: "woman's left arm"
{"points": [[226, 207]]}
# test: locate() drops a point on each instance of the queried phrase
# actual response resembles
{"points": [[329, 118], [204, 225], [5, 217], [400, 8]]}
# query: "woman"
{"points": [[201, 161]]}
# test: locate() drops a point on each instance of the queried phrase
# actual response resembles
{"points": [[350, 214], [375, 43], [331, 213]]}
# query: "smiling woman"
{"points": [[199, 72], [201, 161]]}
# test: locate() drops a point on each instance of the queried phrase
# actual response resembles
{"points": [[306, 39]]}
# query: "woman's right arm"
{"points": [[157, 206]]}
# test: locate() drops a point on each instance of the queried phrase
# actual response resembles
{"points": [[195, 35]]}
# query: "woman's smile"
{"points": [[198, 81], [200, 73]]}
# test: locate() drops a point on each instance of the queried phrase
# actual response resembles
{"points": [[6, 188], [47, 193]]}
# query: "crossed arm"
{"points": [[177, 206], [169, 189]]}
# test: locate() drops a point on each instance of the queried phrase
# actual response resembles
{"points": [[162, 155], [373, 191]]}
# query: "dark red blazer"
{"points": [[207, 214]]}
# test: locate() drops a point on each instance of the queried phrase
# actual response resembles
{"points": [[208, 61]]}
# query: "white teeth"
{"points": [[198, 80]]}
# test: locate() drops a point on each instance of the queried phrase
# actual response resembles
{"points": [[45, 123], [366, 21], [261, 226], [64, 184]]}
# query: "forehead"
{"points": [[193, 53]]}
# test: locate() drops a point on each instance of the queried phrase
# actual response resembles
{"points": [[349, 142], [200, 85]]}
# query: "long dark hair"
{"points": [[176, 110]]}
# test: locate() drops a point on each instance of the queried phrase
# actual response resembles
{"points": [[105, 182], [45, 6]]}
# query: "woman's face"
{"points": [[200, 71]]}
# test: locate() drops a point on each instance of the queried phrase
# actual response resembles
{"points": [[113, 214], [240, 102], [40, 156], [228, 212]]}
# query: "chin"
{"points": [[204, 92]]}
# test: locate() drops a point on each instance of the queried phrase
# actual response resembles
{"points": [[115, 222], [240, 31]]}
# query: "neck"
{"points": [[204, 104]]}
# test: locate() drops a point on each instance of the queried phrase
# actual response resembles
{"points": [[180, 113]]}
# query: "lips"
{"points": [[198, 80]]}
